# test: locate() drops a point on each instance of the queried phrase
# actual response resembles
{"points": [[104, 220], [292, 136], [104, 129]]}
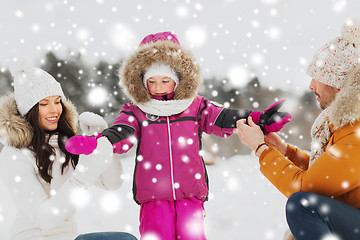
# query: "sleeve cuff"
{"points": [[290, 152], [265, 152]]}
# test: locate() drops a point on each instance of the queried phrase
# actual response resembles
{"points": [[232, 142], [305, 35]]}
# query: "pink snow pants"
{"points": [[171, 220]]}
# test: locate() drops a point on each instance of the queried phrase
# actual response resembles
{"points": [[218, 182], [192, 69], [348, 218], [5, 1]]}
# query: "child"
{"points": [[167, 118]]}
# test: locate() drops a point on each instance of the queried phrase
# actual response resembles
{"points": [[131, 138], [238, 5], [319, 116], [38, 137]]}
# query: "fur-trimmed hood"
{"points": [[15, 131], [345, 109], [164, 51]]}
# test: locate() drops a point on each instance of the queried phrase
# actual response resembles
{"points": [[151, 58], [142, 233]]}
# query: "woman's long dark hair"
{"points": [[43, 151]]}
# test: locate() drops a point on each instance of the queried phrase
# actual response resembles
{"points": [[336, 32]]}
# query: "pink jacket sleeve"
{"points": [[217, 120], [124, 131]]}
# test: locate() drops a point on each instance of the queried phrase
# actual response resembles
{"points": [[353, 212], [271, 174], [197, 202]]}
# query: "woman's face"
{"points": [[50, 110]]}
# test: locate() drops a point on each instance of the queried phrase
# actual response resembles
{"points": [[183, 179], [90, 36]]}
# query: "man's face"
{"points": [[325, 94]]}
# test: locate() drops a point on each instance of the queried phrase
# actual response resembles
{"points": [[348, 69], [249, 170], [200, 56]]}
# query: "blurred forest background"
{"points": [[96, 89]]}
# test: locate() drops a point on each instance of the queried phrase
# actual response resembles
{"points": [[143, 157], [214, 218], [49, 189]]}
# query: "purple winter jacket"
{"points": [[169, 165]]}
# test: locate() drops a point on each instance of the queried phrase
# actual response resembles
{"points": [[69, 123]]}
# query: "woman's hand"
{"points": [[250, 135], [274, 140]]}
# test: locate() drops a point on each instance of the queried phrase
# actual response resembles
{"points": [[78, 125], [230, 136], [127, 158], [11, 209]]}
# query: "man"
{"points": [[323, 187]]}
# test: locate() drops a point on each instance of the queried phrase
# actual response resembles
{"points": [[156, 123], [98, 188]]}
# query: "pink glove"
{"points": [[271, 120], [82, 144]]}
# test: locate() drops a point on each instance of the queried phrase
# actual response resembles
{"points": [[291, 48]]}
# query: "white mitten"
{"points": [[288, 235], [91, 166], [91, 123]]}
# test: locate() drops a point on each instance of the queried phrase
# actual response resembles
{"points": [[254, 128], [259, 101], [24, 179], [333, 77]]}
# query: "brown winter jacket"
{"points": [[336, 173]]}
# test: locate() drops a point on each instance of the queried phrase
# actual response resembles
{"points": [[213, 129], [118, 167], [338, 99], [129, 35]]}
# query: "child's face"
{"points": [[160, 85]]}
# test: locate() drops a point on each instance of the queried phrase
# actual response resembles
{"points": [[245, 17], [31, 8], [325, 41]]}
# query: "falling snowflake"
{"points": [[121, 36], [110, 202], [80, 198], [97, 96], [196, 36], [150, 236], [238, 75]]}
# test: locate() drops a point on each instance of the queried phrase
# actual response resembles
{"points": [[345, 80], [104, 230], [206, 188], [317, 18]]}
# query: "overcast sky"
{"points": [[274, 39]]}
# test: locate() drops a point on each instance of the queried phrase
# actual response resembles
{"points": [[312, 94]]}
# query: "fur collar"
{"points": [[345, 109], [182, 61], [15, 131]]}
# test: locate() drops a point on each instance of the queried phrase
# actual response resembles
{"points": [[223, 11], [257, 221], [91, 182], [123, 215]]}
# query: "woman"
{"points": [[39, 173]]}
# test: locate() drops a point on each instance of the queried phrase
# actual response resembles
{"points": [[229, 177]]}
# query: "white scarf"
{"points": [[165, 108], [320, 134]]}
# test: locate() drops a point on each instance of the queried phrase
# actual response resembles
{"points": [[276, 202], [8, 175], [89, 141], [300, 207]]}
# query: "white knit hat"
{"points": [[333, 62], [160, 69], [32, 85]]}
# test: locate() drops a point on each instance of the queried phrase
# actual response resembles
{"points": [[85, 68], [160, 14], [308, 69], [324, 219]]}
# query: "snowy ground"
{"points": [[243, 204]]}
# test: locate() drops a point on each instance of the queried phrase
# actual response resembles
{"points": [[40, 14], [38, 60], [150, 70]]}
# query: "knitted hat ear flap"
{"points": [[354, 77]]}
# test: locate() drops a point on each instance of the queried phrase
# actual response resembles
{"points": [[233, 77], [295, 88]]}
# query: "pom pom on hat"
{"points": [[332, 64], [160, 69], [19, 67], [32, 85], [351, 32]]}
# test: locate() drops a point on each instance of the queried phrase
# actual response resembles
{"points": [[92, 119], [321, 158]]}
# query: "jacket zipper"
{"points": [[171, 160]]}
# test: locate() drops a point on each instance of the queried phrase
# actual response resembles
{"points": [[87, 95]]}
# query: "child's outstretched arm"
{"points": [[269, 121], [118, 135]]}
